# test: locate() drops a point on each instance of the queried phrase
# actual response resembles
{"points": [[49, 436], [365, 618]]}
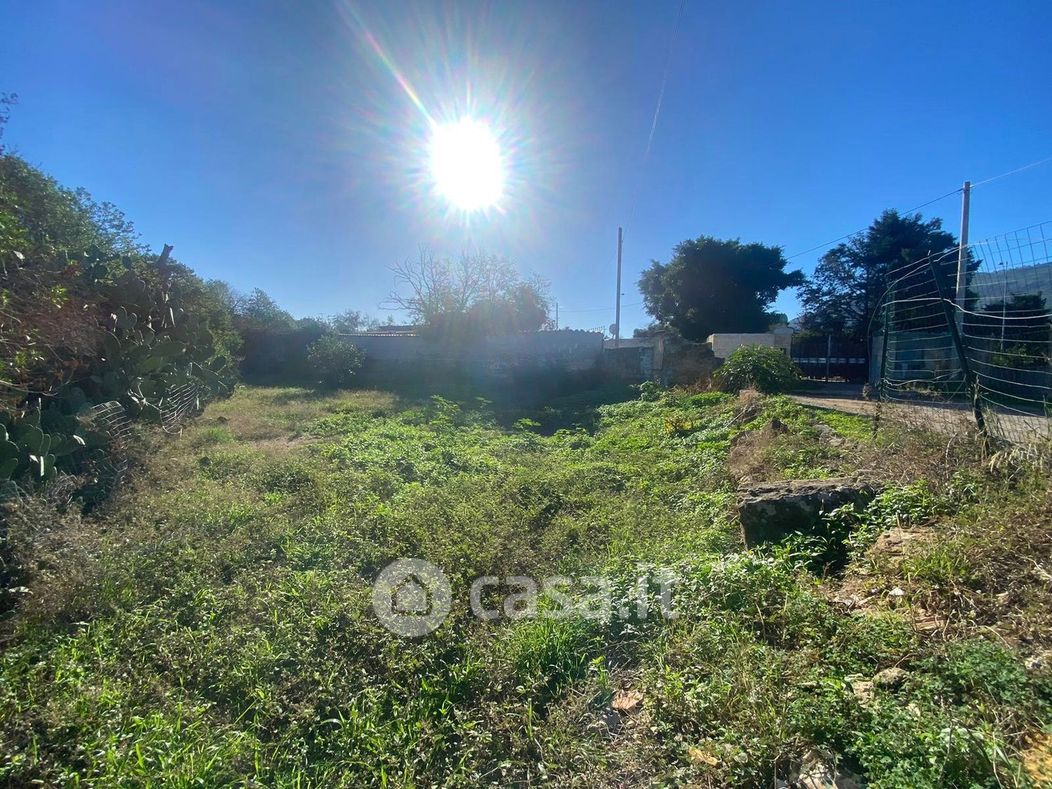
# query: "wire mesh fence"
{"points": [[100, 470], [967, 340]]}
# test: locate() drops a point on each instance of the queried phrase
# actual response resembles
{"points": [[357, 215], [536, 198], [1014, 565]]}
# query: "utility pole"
{"points": [[617, 308], [962, 254], [557, 316]]}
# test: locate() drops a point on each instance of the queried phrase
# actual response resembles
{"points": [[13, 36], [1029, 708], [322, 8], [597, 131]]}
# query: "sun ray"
{"points": [[387, 61]]}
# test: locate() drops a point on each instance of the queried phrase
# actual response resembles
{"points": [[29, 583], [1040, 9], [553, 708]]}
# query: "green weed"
{"points": [[213, 625]]}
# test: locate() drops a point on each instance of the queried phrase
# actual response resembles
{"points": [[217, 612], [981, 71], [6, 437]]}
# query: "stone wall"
{"points": [[673, 362]]}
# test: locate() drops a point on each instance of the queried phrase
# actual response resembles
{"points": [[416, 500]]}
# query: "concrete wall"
{"points": [[390, 347], [568, 349], [723, 345]]}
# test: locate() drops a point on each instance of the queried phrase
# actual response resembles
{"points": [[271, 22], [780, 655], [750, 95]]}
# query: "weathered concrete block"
{"points": [[772, 511]]}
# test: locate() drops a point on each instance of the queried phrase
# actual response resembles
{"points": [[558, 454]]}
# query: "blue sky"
{"points": [[274, 146]]}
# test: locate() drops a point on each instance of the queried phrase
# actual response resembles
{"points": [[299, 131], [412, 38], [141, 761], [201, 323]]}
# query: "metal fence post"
{"points": [[955, 335], [882, 375]]}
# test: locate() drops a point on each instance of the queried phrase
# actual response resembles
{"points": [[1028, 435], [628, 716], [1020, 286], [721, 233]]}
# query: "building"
{"points": [[723, 345]]}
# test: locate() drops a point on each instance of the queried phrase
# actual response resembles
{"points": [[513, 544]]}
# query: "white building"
{"points": [[723, 345]]}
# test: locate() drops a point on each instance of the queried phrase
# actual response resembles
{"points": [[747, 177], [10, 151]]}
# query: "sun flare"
{"points": [[466, 164]]}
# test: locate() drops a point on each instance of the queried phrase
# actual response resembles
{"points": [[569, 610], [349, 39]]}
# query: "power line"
{"points": [[1029, 166], [1039, 162], [860, 230]]}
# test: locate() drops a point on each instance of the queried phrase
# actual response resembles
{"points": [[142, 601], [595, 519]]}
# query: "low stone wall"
{"points": [[687, 363], [671, 361]]}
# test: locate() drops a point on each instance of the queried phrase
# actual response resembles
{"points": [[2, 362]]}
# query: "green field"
{"points": [[212, 624]]}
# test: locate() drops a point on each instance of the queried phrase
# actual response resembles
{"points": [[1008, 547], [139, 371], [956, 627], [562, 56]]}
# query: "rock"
{"points": [[772, 511], [777, 427], [847, 602], [896, 597], [817, 772], [861, 689], [890, 678]]}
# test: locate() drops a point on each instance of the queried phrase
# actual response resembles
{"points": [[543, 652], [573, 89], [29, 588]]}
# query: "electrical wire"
{"points": [[1037, 163], [862, 230], [1029, 166]]}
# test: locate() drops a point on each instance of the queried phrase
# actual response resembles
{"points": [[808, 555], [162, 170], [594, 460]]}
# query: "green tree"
{"points": [[713, 285], [89, 315], [1017, 330], [335, 359], [7, 101], [849, 283], [259, 312], [56, 219], [349, 322]]}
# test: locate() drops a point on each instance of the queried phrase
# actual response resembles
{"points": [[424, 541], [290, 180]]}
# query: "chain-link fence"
{"points": [[967, 338]]}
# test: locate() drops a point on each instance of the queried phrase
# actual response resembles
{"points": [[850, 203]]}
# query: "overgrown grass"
{"points": [[213, 624]]}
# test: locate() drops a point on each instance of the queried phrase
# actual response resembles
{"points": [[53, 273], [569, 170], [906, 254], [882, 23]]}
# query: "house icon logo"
{"points": [[411, 597]]}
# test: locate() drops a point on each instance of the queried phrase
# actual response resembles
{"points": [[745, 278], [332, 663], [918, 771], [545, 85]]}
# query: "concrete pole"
{"points": [[962, 254]]}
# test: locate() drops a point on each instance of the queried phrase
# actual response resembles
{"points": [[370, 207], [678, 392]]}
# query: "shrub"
{"points": [[650, 391], [758, 367], [336, 359]]}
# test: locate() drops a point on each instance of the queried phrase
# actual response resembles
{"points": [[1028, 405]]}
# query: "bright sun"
{"points": [[466, 164]]}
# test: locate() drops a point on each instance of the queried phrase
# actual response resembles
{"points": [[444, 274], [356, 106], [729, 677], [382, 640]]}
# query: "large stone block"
{"points": [[772, 511]]}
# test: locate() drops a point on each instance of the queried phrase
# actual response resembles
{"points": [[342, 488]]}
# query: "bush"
{"points": [[757, 367], [336, 359], [650, 391]]}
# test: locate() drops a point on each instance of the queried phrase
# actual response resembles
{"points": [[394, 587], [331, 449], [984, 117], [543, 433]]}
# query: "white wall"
{"points": [[723, 345]]}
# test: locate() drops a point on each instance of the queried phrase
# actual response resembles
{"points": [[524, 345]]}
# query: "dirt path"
{"points": [[944, 418]]}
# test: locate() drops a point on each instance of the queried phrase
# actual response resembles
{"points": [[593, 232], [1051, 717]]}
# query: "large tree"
{"points": [[479, 294], [851, 279], [711, 285]]}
